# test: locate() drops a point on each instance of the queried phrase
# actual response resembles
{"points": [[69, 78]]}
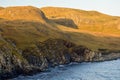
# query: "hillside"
{"points": [[22, 13], [33, 39], [26, 25], [1, 8], [90, 28], [89, 21]]}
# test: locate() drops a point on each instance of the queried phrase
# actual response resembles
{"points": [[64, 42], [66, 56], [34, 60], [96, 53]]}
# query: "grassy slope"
{"points": [[28, 29], [95, 30], [25, 33], [90, 21]]}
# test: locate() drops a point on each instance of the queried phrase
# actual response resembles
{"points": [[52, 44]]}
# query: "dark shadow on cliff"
{"points": [[94, 42], [27, 32], [22, 32], [65, 22]]}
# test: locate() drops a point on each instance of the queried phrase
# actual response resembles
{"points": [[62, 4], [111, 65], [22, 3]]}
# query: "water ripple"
{"points": [[109, 70]]}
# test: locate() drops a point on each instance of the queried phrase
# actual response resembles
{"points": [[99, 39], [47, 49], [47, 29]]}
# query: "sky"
{"points": [[111, 7]]}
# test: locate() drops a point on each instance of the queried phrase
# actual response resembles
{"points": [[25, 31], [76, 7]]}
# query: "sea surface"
{"points": [[108, 70]]}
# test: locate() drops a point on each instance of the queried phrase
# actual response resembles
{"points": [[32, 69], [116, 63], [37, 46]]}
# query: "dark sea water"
{"points": [[108, 70]]}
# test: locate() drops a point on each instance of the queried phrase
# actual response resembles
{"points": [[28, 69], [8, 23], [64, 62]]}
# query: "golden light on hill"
{"points": [[23, 13], [26, 25]]}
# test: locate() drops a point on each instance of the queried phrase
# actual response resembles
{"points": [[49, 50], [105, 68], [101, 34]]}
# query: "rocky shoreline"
{"points": [[50, 53]]}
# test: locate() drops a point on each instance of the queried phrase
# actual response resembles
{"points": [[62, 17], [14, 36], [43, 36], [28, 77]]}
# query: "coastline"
{"points": [[51, 53]]}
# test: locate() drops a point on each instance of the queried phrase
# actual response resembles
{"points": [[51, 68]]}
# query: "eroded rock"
{"points": [[46, 54]]}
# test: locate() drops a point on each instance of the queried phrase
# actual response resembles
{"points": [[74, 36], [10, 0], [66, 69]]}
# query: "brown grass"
{"points": [[28, 13], [25, 26], [88, 21]]}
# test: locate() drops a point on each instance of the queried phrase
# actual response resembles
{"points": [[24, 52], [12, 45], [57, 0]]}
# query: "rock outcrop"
{"points": [[49, 53]]}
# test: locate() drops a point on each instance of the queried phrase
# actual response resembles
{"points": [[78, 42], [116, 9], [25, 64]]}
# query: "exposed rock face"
{"points": [[49, 53], [103, 55], [11, 64]]}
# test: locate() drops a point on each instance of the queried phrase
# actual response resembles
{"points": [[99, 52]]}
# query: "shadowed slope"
{"points": [[65, 22], [1, 8], [26, 33]]}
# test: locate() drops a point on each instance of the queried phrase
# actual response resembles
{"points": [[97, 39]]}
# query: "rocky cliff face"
{"points": [[49, 53]]}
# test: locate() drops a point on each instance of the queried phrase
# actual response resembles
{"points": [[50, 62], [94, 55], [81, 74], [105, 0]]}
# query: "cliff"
{"points": [[49, 53]]}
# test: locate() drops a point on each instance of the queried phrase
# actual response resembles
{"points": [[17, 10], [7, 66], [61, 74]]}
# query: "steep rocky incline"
{"points": [[49, 53]]}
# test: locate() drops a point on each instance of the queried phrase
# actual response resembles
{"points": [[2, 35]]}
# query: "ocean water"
{"points": [[108, 70]]}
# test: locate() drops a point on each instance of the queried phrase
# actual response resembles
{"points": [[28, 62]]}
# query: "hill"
{"points": [[32, 39], [89, 21], [26, 25], [22, 13]]}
